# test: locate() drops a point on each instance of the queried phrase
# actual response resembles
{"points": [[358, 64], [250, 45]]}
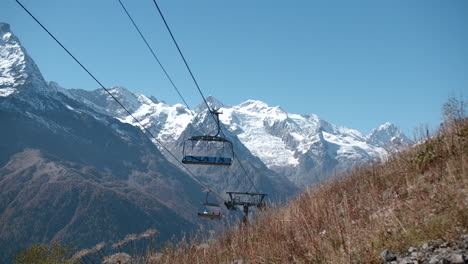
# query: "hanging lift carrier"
{"points": [[208, 150], [209, 209]]}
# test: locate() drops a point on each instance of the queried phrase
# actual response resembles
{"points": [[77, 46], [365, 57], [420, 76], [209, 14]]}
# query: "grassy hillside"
{"points": [[417, 195]]}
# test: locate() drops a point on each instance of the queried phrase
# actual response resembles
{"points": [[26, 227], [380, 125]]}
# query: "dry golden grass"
{"points": [[417, 195]]}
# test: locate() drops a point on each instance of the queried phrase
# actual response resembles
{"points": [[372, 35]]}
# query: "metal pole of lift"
{"points": [[246, 214]]}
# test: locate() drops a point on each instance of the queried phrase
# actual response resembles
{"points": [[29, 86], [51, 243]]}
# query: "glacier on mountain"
{"points": [[283, 141]]}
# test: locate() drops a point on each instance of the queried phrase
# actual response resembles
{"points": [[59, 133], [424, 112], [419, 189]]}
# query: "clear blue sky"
{"points": [[354, 63]]}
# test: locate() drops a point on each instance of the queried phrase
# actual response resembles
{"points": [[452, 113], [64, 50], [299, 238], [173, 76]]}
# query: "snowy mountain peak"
{"points": [[17, 69], [212, 102], [130, 99], [119, 90], [254, 105], [154, 100], [165, 121], [385, 129], [388, 136], [387, 126], [4, 28]]}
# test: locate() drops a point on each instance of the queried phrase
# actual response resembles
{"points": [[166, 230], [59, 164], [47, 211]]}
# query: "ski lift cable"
{"points": [[196, 83], [183, 58], [153, 53], [159, 62], [148, 133], [155, 56], [243, 168], [239, 181], [198, 87]]}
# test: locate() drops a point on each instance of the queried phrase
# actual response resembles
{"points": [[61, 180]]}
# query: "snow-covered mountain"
{"points": [[71, 174], [173, 124], [165, 121], [304, 148], [389, 137], [17, 69]]}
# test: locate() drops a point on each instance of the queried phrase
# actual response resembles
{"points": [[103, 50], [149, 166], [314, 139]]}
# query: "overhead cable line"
{"points": [[196, 84], [153, 53], [183, 58], [148, 133], [156, 58], [243, 168], [158, 61]]}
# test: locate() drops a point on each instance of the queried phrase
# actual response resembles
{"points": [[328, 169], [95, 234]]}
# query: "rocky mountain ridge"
{"points": [[304, 148]]}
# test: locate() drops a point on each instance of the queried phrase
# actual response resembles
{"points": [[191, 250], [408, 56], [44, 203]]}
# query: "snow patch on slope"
{"points": [[12, 61], [283, 141], [167, 121], [279, 138], [16, 67], [251, 117], [164, 121], [6, 91]]}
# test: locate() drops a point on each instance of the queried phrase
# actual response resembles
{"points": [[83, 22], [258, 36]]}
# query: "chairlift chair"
{"points": [[208, 202], [208, 150], [210, 214]]}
